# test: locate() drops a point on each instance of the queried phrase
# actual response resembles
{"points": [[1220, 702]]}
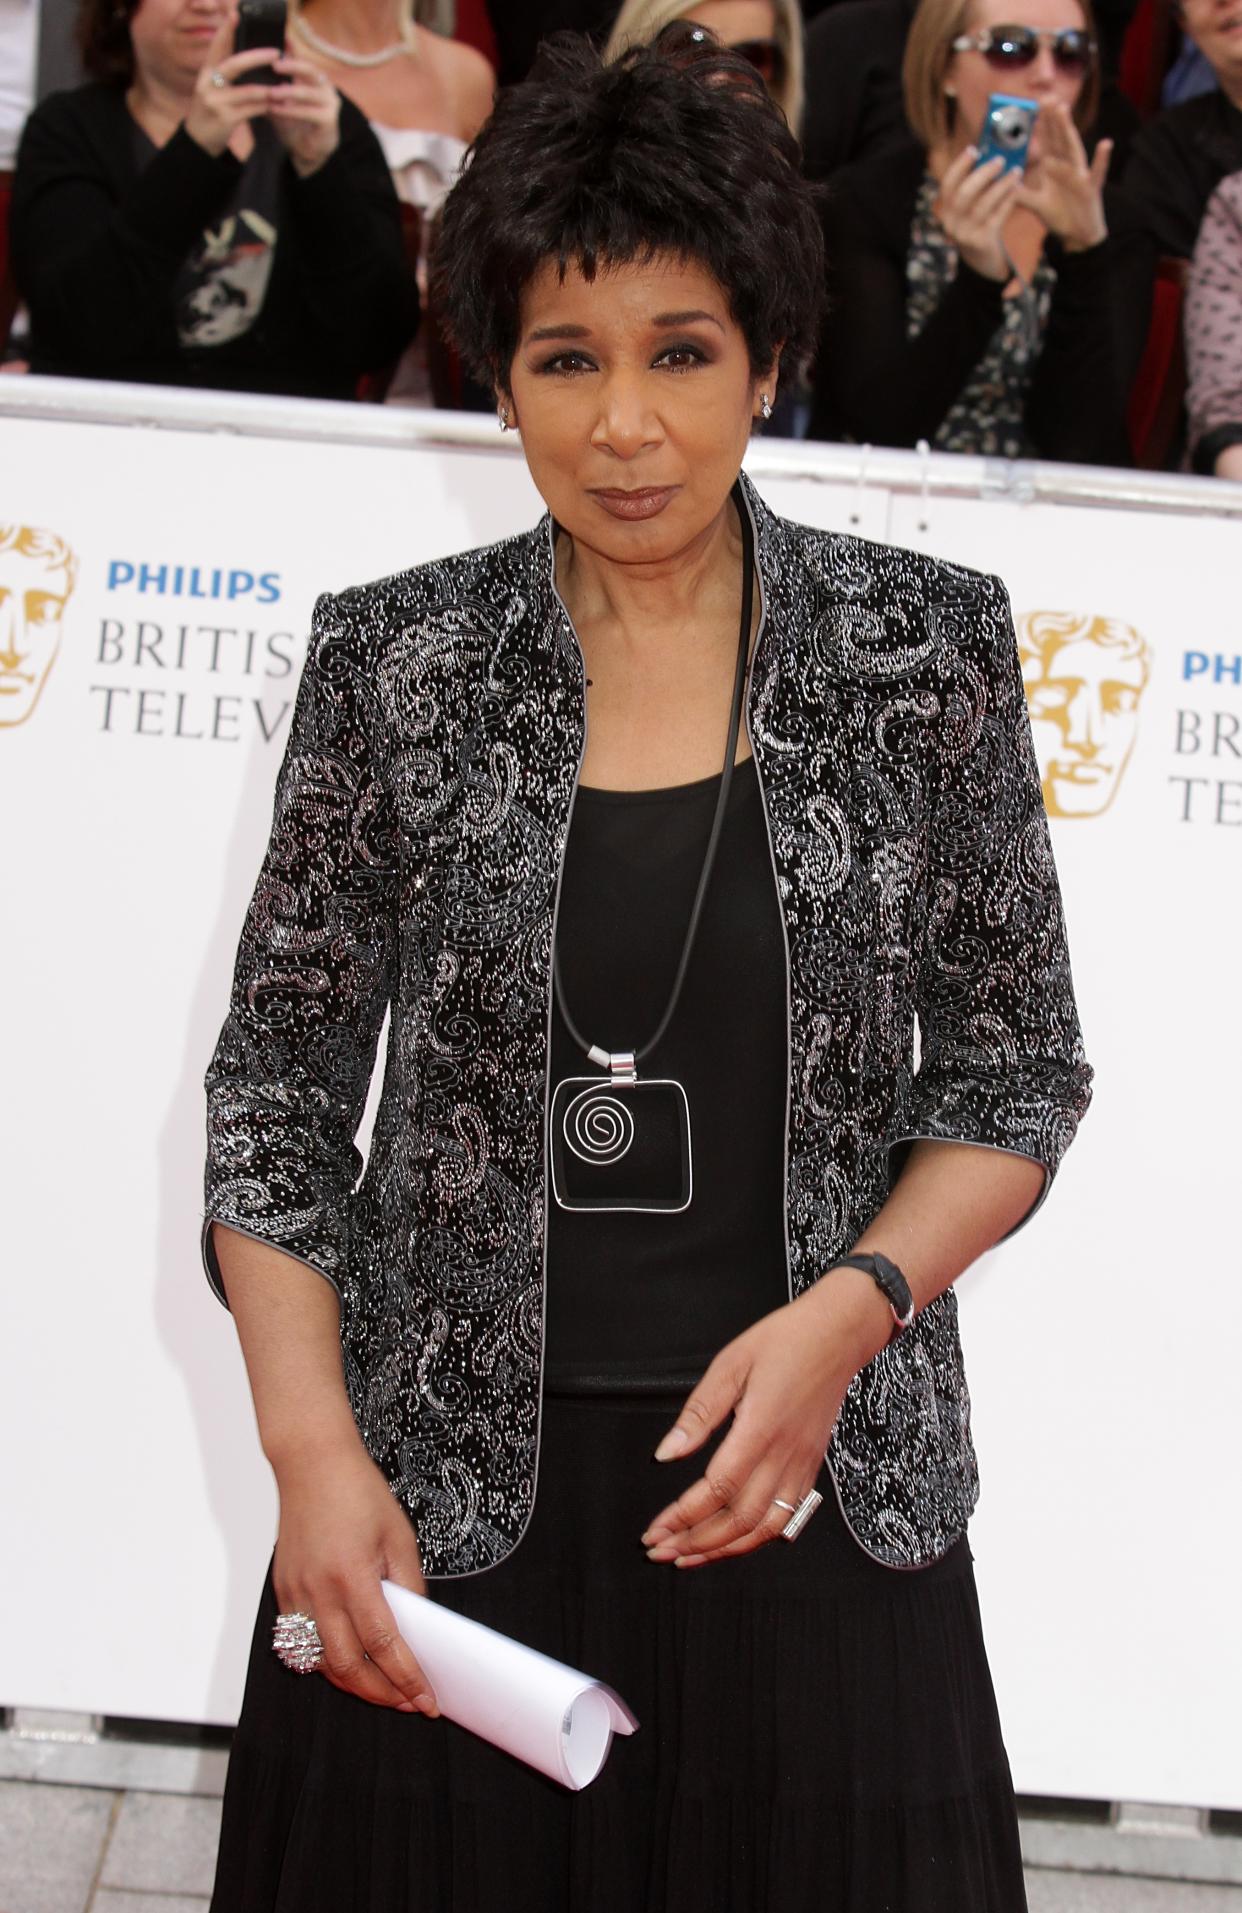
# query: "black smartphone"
{"points": [[261, 23], [1007, 128]]}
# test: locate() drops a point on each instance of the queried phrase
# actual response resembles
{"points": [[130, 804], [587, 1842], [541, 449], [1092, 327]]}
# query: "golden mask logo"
{"points": [[1085, 678], [37, 572]]}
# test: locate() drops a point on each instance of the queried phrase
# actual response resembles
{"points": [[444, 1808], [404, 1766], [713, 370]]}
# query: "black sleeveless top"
{"points": [[643, 1301]]}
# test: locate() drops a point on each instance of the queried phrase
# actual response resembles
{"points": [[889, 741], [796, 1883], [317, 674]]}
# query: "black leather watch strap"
{"points": [[889, 1280]]}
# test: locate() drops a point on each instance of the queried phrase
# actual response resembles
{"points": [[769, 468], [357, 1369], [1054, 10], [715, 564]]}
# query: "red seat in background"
{"points": [[1158, 394]]}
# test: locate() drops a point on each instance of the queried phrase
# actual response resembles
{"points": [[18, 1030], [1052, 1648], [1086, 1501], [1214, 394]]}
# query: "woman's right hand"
{"points": [[341, 1531], [216, 112], [973, 204]]}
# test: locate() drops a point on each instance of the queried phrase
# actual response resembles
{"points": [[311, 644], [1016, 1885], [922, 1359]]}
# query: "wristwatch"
{"points": [[891, 1283]]}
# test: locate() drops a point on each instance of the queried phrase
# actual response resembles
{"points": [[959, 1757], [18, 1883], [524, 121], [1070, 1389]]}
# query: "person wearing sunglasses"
{"points": [[767, 33], [995, 311]]}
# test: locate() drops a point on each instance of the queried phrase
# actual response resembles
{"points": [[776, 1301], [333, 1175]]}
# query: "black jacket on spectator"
{"points": [[99, 241], [1176, 164], [875, 385]]}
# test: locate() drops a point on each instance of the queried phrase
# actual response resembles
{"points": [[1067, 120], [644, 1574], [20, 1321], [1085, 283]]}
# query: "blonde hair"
{"points": [[929, 49], [640, 21]]}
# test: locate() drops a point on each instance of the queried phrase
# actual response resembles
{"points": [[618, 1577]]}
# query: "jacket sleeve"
{"points": [[98, 271], [287, 1084], [1097, 329], [1002, 1062], [358, 307]]}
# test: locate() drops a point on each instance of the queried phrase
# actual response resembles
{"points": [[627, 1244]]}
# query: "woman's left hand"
{"points": [[784, 1380], [306, 115], [1063, 187]]}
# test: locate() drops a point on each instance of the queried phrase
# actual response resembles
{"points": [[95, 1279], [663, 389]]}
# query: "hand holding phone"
{"points": [[976, 198], [226, 96]]}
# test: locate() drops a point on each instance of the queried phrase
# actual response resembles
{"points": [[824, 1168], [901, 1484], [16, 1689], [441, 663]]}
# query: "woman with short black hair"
{"points": [[654, 829]]}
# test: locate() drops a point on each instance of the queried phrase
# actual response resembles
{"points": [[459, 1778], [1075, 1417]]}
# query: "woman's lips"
{"points": [[644, 503]]}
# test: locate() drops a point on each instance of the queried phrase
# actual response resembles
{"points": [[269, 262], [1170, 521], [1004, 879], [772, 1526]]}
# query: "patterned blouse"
{"points": [[988, 417]]}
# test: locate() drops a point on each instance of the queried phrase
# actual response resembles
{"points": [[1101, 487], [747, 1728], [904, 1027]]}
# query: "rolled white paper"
{"points": [[549, 1715]]}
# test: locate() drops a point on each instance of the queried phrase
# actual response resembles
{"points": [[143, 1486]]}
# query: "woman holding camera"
{"points": [[652, 829], [194, 217], [986, 308]]}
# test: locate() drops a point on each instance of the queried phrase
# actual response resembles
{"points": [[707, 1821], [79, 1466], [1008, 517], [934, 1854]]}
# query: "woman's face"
{"points": [[170, 38], [635, 399], [971, 80]]}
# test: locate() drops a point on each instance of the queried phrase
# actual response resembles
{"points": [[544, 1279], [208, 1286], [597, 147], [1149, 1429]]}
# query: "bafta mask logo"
{"points": [[37, 572], [1084, 679]]}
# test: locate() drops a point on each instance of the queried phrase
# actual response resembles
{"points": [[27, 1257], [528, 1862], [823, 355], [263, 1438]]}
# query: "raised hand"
{"points": [[222, 101], [1061, 186], [306, 114], [972, 205]]}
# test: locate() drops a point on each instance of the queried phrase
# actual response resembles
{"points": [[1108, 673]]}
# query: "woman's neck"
{"points": [[159, 104], [358, 26], [647, 599]]}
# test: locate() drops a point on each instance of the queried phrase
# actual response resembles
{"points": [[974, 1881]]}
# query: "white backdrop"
{"points": [[1101, 1343]]}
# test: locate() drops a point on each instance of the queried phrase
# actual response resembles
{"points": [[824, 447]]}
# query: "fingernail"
{"points": [[664, 1551], [689, 1560], [406, 1707], [672, 1445]]}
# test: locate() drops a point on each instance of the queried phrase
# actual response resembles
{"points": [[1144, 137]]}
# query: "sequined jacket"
{"points": [[420, 823]]}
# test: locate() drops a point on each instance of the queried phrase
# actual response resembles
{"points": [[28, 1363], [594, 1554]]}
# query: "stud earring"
{"points": [[765, 406]]}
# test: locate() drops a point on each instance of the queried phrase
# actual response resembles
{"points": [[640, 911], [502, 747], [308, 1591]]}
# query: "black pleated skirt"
{"points": [[818, 1733]]}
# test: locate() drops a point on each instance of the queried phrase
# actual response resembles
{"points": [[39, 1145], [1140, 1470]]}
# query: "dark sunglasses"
{"points": [[1008, 48], [766, 56]]}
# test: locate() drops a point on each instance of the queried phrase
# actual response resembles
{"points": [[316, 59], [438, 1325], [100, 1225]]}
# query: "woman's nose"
{"points": [[626, 422]]}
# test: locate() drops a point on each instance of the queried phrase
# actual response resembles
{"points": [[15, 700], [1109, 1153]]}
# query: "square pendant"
{"points": [[620, 1146]]}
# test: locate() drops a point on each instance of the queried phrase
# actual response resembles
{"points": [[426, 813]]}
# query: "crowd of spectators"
{"points": [[183, 213]]}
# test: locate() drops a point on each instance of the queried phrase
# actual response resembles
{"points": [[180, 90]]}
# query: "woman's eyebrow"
{"points": [[663, 319], [558, 332]]}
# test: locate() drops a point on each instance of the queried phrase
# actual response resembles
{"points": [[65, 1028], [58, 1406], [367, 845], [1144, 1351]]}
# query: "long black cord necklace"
{"points": [[622, 1141]]}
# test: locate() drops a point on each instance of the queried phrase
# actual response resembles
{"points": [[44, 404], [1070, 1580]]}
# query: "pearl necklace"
{"points": [[342, 54]]}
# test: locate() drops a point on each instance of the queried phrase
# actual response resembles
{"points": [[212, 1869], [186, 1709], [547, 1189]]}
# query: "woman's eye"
{"points": [[680, 358], [565, 364]]}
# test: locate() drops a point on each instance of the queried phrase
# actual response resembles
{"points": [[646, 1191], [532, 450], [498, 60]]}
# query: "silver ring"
{"points": [[218, 79], [801, 1515], [778, 1503], [296, 1642]]}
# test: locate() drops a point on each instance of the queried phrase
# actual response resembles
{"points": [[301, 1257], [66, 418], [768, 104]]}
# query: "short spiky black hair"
{"points": [[675, 148]]}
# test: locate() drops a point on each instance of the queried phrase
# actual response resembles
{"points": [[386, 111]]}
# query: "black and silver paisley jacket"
{"points": [[414, 864]]}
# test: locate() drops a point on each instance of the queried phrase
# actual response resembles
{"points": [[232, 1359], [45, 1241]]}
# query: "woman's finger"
{"points": [[724, 1479], [345, 1661], [704, 1409], [1100, 162], [385, 1648], [237, 65], [744, 1516]]}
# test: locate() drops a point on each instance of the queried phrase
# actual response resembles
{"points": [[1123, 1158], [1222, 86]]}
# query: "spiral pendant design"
{"points": [[598, 1126]]}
